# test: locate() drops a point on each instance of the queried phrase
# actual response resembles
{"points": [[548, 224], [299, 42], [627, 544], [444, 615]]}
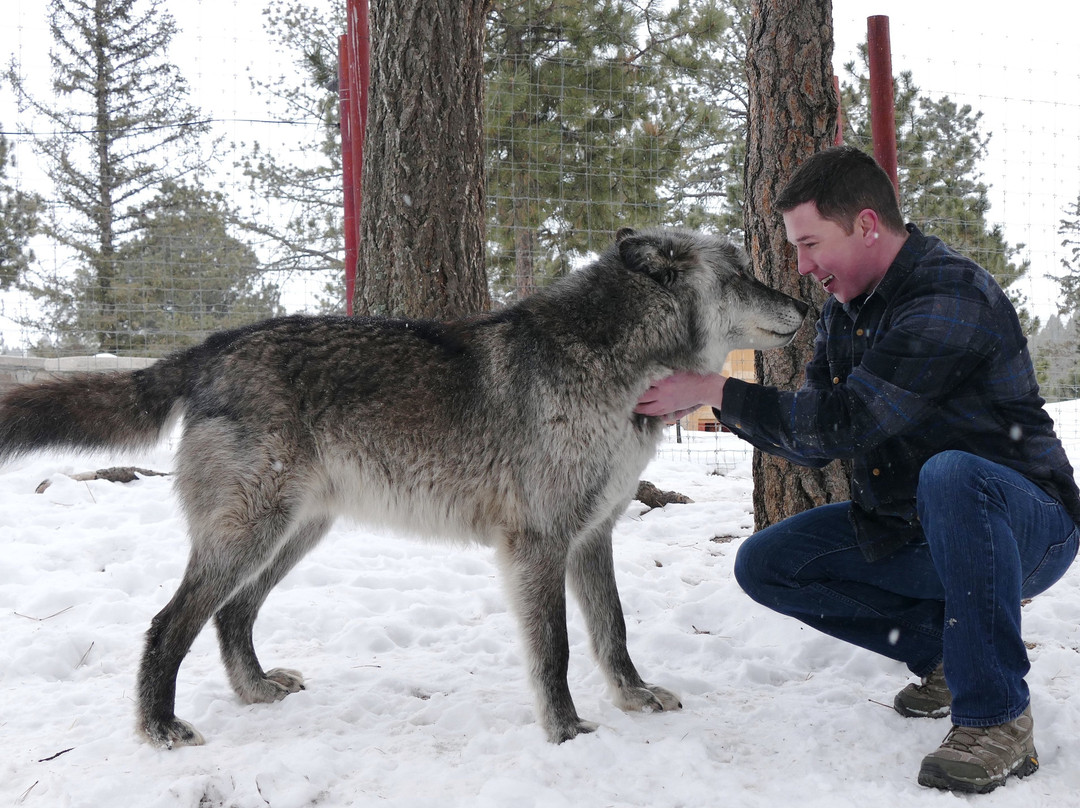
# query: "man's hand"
{"points": [[680, 394]]}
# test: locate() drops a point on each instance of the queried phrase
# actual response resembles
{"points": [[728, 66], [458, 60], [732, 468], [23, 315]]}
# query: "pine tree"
{"points": [[593, 111], [1058, 360], [1069, 230], [122, 128], [792, 114], [307, 179], [596, 115], [181, 277], [421, 246], [1054, 350], [18, 223], [710, 188]]}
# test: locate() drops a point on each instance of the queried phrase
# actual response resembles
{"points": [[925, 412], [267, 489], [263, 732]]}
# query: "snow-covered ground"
{"points": [[417, 694]]}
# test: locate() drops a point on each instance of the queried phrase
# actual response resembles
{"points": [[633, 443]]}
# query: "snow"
{"points": [[416, 690]]}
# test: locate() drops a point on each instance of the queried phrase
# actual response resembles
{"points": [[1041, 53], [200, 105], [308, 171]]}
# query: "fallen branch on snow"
{"points": [[117, 474], [653, 497]]}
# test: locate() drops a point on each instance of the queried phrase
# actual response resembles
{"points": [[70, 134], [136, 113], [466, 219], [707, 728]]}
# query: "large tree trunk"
{"points": [[421, 251], [792, 115]]}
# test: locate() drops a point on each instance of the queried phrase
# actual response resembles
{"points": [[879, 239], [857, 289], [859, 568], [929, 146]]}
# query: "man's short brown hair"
{"points": [[841, 182]]}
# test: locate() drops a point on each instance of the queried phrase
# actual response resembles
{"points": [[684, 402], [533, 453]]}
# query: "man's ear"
{"points": [[867, 225]]}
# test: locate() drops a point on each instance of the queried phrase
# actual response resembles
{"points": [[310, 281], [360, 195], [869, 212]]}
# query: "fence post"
{"points": [[882, 105], [354, 62], [350, 228]]}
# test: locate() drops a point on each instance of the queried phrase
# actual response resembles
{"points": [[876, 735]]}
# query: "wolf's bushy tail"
{"points": [[124, 410]]}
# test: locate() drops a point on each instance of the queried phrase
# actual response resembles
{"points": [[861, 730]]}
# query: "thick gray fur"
{"points": [[514, 429]]}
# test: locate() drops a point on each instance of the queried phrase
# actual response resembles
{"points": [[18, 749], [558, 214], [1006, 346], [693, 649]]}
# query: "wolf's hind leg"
{"points": [[239, 524], [207, 583], [591, 575], [236, 619]]}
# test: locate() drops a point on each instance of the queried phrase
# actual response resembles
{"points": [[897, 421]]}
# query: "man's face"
{"points": [[841, 262]]}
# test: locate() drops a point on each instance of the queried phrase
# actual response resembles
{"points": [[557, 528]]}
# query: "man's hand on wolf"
{"points": [[680, 394]]}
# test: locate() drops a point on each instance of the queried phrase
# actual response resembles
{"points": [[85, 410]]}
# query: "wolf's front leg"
{"points": [[535, 566], [591, 573]]}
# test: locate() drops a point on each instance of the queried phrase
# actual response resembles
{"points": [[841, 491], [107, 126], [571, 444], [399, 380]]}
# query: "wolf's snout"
{"points": [[796, 317], [786, 321]]}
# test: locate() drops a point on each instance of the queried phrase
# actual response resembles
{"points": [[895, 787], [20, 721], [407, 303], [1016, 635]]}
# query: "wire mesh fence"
{"points": [[719, 452], [580, 142]]}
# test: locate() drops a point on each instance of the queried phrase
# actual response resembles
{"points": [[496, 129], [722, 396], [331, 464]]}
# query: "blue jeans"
{"points": [[993, 537]]}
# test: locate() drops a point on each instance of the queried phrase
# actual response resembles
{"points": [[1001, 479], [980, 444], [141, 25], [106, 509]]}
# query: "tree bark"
{"points": [[421, 251], [792, 114]]}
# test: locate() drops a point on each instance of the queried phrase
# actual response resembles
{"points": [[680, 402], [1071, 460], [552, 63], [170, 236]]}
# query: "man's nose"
{"points": [[804, 264]]}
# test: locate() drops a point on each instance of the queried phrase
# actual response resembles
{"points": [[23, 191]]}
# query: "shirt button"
{"points": [[876, 472], [836, 380]]}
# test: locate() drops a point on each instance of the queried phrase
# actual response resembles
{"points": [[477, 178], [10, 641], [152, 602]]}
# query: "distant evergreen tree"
{"points": [[1054, 351], [122, 128], [18, 222], [307, 179], [1069, 282], [711, 190], [1057, 358], [183, 276]]}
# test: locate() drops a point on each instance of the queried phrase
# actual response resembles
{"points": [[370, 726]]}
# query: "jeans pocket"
{"points": [[1054, 564]]}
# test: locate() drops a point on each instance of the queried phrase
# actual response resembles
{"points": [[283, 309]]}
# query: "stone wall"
{"points": [[18, 370]]}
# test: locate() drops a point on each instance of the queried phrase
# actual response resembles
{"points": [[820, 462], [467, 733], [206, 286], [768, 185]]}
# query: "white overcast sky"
{"points": [[1020, 67]]}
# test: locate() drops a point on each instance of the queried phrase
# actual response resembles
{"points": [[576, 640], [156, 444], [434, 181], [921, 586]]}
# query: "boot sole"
{"points": [[907, 712], [933, 775]]}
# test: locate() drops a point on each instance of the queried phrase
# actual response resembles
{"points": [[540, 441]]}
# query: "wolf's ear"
{"points": [[646, 254]]}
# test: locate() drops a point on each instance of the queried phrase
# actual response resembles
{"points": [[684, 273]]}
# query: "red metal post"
{"points": [[882, 105], [355, 78], [351, 231]]}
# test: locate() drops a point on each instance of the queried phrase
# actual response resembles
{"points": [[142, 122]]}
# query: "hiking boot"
{"points": [[928, 699], [978, 759]]}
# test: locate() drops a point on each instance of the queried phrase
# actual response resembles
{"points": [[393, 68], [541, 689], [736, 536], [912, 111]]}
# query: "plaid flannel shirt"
{"points": [[933, 359]]}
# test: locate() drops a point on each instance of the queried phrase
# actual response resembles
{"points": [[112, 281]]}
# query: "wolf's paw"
{"points": [[566, 731], [170, 734], [647, 698], [274, 685], [292, 681]]}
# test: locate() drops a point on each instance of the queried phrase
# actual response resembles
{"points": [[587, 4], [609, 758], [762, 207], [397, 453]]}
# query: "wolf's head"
{"points": [[708, 277]]}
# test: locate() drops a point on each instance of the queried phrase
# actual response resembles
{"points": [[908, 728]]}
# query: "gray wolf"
{"points": [[513, 428]]}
